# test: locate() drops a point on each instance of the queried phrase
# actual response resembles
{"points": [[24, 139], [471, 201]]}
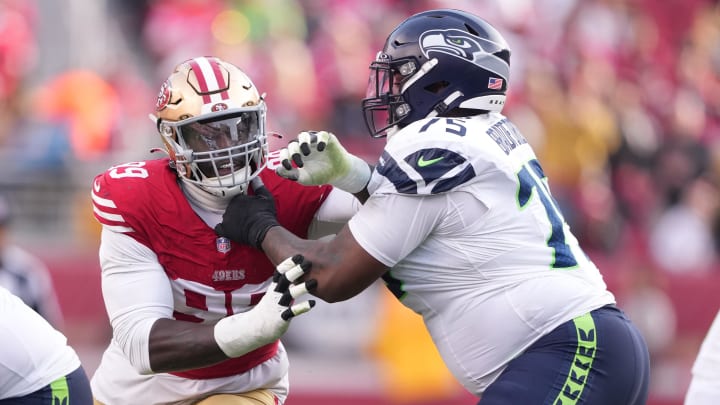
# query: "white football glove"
{"points": [[321, 159], [269, 319]]}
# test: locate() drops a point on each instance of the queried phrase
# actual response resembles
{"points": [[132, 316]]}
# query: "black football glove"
{"points": [[248, 217]]}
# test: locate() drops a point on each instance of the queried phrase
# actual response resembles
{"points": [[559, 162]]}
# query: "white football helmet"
{"points": [[212, 122]]}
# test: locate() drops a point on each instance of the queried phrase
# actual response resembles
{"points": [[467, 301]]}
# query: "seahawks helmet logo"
{"points": [[476, 50]]}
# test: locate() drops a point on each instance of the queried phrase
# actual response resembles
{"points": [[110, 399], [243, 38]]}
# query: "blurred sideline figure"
{"points": [[705, 384], [194, 315], [37, 366], [25, 275], [459, 222]]}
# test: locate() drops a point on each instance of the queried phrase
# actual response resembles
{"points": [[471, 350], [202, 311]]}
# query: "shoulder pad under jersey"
{"points": [[125, 194], [430, 156]]}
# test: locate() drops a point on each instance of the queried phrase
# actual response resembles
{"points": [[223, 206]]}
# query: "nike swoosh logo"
{"points": [[422, 162], [96, 186]]}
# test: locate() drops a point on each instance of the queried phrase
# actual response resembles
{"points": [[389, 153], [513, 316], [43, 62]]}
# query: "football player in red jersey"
{"points": [[197, 317]]}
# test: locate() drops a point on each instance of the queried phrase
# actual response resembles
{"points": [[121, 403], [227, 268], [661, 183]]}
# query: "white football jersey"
{"points": [[704, 388], [33, 354], [462, 213]]}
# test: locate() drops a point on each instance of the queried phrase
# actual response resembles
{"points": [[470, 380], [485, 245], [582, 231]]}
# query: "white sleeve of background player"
{"points": [[390, 226], [136, 292], [333, 214], [706, 369], [339, 206]]}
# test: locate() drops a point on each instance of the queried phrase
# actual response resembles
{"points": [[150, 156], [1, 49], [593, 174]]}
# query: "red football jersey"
{"points": [[211, 277]]}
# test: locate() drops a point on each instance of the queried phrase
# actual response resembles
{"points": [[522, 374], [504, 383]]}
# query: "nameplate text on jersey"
{"points": [[506, 135]]}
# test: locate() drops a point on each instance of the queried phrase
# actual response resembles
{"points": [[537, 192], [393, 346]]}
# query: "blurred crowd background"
{"points": [[620, 98]]}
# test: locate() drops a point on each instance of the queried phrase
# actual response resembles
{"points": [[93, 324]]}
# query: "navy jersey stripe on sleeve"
{"points": [[433, 165], [389, 168]]}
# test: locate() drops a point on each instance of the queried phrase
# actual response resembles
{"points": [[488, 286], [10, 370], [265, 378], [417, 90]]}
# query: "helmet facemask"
{"points": [[384, 106], [220, 152]]}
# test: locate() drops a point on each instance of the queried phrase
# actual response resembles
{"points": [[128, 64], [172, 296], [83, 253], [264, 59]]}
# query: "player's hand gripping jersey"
{"points": [[210, 277], [461, 211]]}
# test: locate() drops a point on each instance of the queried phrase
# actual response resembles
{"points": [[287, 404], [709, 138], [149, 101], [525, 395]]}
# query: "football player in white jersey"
{"points": [[196, 317], [460, 223], [25, 275], [705, 384], [37, 366]]}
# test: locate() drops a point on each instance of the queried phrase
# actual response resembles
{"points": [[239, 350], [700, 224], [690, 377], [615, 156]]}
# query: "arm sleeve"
{"points": [[333, 214], [390, 226], [339, 206], [136, 292]]}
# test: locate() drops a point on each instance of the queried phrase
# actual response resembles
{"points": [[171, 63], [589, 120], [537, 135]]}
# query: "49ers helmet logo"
{"points": [[163, 97], [219, 107]]}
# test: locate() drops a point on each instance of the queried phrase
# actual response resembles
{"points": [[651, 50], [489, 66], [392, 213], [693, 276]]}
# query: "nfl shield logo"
{"points": [[222, 244]]}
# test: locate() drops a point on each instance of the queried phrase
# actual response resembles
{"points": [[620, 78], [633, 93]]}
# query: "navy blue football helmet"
{"points": [[433, 63]]}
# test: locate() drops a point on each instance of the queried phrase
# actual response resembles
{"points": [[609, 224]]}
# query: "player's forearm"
{"points": [[279, 243], [337, 265], [177, 345]]}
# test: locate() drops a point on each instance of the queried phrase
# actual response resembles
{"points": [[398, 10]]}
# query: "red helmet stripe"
{"points": [[219, 78], [200, 75]]}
